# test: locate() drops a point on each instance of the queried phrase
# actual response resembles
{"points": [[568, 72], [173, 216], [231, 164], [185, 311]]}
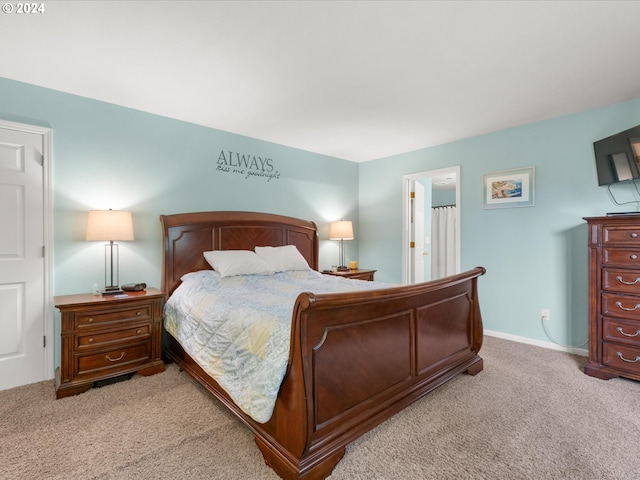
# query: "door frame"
{"points": [[407, 264], [47, 207]]}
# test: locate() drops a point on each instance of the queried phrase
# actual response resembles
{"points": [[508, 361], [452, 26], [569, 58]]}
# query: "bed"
{"points": [[354, 359]]}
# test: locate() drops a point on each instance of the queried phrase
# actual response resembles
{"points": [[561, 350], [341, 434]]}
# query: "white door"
{"points": [[24, 323]]}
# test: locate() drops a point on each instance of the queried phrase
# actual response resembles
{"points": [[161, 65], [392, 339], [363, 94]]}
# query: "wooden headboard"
{"points": [[187, 235]]}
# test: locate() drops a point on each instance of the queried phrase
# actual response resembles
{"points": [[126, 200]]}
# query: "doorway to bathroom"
{"points": [[431, 224]]}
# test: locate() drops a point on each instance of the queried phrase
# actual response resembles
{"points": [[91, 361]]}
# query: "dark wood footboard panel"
{"points": [[383, 351]]}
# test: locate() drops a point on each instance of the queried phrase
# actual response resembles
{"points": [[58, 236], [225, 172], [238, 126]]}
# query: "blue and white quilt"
{"points": [[238, 328]]}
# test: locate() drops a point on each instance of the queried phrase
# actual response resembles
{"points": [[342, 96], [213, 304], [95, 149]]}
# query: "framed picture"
{"points": [[509, 188]]}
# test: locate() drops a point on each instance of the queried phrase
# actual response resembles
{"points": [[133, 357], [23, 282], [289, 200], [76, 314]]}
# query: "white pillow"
{"points": [[237, 262], [281, 259]]}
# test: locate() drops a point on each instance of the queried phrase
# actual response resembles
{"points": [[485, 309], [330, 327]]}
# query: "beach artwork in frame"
{"points": [[508, 188]]}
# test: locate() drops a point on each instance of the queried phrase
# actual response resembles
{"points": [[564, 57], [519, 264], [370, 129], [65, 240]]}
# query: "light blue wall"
{"points": [[536, 257], [443, 197], [106, 156]]}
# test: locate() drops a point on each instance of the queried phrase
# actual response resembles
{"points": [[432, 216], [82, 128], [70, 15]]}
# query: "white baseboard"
{"points": [[538, 343]]}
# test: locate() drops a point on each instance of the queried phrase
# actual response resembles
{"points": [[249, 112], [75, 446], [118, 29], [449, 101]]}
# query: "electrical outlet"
{"points": [[546, 314]]}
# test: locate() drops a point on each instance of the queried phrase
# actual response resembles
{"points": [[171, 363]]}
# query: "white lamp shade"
{"points": [[110, 225], [341, 230]]}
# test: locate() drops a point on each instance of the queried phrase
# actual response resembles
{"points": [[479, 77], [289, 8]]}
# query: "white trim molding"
{"points": [[538, 343]]}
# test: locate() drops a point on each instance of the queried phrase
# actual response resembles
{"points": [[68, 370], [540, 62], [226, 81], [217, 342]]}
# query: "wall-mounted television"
{"points": [[618, 157]]}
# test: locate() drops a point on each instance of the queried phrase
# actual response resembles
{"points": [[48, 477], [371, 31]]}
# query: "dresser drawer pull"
{"points": [[114, 359], [619, 305], [138, 332], [633, 235], [619, 329], [619, 278], [625, 360], [138, 313], [90, 320], [91, 340], [633, 257]]}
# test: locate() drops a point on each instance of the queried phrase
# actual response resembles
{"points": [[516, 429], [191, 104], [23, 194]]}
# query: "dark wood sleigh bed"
{"points": [[355, 358]]}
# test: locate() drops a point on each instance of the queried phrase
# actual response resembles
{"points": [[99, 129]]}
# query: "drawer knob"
{"points": [[90, 320], [619, 279], [138, 313], [633, 257], [634, 235], [626, 360], [138, 331], [635, 307], [91, 340], [114, 359], [619, 329]]}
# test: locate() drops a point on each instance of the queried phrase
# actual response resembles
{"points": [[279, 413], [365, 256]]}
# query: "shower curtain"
{"points": [[444, 234]]}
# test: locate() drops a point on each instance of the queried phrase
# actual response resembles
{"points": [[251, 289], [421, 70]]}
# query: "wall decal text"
{"points": [[247, 165]]}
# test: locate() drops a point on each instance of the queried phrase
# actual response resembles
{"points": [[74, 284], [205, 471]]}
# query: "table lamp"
{"points": [[341, 230], [110, 225]]}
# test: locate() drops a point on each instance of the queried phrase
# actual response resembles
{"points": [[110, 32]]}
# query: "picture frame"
{"points": [[508, 188]]}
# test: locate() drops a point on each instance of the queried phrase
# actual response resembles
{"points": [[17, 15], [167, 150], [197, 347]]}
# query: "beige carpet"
{"points": [[531, 414]]}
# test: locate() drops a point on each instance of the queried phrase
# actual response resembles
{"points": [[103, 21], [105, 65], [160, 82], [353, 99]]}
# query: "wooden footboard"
{"points": [[359, 358]]}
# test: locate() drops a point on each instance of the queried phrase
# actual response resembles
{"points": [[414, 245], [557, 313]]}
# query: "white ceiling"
{"points": [[358, 80]]}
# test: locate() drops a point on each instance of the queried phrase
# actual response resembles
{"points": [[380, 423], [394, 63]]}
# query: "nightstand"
{"points": [[357, 274], [103, 337]]}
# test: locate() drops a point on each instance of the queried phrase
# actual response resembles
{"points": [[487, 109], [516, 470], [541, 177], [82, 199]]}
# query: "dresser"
{"points": [[104, 337], [614, 297]]}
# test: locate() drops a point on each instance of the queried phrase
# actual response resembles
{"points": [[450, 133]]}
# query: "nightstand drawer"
{"points": [[362, 276], [117, 358], [120, 336], [132, 313], [357, 274]]}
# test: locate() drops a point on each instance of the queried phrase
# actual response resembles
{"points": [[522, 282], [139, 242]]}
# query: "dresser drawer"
{"points": [[621, 331], [621, 357], [624, 306], [122, 336], [137, 312], [619, 280], [627, 257], [621, 235], [114, 359]]}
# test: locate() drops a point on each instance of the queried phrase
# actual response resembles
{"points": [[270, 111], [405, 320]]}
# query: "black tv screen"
{"points": [[618, 157]]}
